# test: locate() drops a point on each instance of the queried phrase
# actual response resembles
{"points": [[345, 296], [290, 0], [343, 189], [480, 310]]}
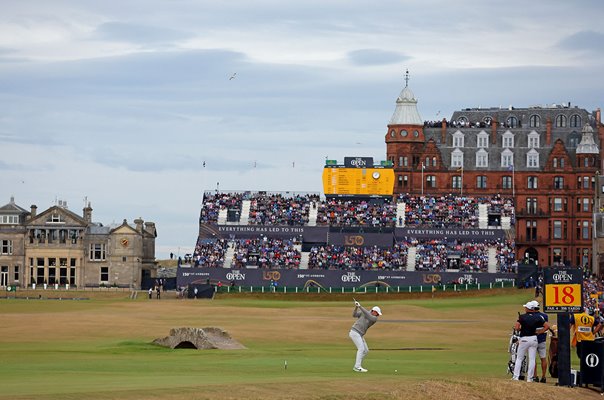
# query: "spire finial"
{"points": [[407, 77]]}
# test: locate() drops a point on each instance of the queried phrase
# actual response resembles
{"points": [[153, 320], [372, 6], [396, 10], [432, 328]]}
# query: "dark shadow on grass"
{"points": [[440, 321], [413, 349]]}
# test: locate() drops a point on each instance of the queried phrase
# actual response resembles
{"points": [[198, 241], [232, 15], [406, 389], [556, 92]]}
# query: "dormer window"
{"points": [[561, 121], [508, 140], [533, 140], [462, 121], [512, 122], [456, 158], [9, 219], [458, 139], [534, 121], [575, 121], [482, 158], [507, 159], [482, 140], [532, 159]]}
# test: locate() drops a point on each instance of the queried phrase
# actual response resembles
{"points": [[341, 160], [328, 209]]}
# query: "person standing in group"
{"points": [[530, 324], [584, 327], [365, 319], [541, 347]]}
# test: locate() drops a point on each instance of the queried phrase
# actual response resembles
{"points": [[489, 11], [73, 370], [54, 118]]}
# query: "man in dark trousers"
{"points": [[584, 327], [530, 324]]}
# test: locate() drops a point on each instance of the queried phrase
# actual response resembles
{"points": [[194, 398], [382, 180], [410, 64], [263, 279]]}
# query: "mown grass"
{"points": [[101, 349]]}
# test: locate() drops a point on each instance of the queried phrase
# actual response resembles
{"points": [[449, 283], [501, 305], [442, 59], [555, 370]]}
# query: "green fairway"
{"points": [[101, 348]]}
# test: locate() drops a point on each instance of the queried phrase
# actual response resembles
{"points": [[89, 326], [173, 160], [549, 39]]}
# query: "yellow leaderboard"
{"points": [[339, 179]]}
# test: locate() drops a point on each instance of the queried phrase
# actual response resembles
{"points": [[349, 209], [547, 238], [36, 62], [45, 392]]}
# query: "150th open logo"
{"points": [[353, 240]]}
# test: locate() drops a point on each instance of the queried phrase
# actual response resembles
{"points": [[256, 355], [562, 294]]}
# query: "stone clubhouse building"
{"points": [[59, 248]]}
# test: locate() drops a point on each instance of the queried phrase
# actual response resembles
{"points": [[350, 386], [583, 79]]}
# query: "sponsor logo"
{"points": [[235, 276], [431, 278], [271, 275], [351, 277], [358, 162], [592, 360], [353, 240], [185, 274], [562, 277]]}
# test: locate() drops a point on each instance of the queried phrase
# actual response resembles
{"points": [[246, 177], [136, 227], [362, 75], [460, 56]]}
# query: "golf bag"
{"points": [[513, 350], [553, 356]]}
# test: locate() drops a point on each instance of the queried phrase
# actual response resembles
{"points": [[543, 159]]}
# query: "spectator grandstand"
{"points": [[302, 231], [291, 209]]}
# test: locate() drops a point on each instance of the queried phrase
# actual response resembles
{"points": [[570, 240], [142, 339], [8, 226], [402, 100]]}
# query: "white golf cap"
{"points": [[532, 305], [377, 310]]}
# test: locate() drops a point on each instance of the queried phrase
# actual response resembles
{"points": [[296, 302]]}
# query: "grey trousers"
{"points": [[362, 348]]}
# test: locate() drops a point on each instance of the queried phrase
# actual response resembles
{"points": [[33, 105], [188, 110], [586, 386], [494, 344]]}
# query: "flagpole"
{"points": [[461, 188]]}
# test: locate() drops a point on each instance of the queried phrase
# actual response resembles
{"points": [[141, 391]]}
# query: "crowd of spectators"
{"points": [[502, 205], [277, 209], [444, 211], [443, 254], [338, 212], [343, 257], [431, 255], [466, 124], [266, 253], [451, 211], [210, 252], [214, 202]]}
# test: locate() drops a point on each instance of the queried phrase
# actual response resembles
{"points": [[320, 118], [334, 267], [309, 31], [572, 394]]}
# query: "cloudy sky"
{"points": [[122, 102]]}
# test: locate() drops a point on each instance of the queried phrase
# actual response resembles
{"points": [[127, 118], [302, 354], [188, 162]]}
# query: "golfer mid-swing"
{"points": [[365, 319]]}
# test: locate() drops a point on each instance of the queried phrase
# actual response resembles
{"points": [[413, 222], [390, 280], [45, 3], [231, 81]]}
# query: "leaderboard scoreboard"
{"points": [[358, 176]]}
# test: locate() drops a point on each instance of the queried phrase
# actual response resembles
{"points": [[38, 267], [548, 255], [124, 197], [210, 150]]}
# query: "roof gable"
{"points": [[124, 229], [57, 216], [12, 208]]}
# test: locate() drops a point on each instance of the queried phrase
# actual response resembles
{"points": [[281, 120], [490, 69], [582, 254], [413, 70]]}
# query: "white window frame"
{"points": [[482, 140], [507, 158], [532, 159], [9, 219], [6, 247], [482, 158], [102, 249], [458, 139], [507, 140], [533, 140], [456, 158]]}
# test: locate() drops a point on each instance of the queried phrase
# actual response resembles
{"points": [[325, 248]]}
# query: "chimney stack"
{"points": [[34, 211], [494, 131], [88, 213], [139, 224]]}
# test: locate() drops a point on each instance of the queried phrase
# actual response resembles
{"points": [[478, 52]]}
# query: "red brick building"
{"points": [[546, 158]]}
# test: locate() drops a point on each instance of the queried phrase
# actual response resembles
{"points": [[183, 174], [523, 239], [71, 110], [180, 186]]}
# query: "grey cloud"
{"points": [[34, 139], [583, 40], [135, 33], [375, 57]]}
